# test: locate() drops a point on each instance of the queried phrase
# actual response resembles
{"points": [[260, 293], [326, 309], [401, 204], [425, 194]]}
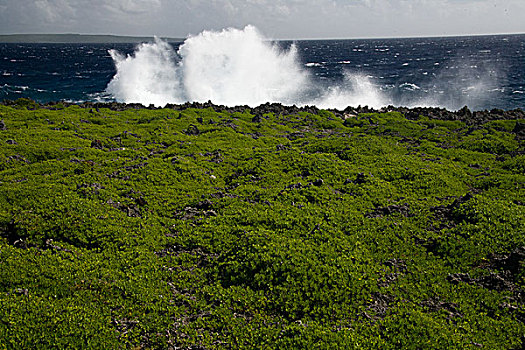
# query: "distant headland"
{"points": [[77, 38]]}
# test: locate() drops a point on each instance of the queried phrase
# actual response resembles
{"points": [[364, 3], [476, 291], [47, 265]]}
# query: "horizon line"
{"points": [[182, 38]]}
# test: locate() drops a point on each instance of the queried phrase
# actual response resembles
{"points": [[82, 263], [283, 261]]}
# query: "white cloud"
{"points": [[133, 6], [275, 18]]}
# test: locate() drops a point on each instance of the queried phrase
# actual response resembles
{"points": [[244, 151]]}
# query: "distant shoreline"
{"points": [[77, 39], [121, 39]]}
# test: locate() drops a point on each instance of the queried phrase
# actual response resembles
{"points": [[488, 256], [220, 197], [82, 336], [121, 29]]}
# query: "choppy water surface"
{"points": [[242, 67]]}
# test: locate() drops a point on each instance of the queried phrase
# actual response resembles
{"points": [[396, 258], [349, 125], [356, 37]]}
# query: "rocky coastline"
{"points": [[464, 114]]}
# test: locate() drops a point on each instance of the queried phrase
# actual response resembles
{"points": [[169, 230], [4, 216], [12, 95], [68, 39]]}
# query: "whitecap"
{"points": [[409, 86]]}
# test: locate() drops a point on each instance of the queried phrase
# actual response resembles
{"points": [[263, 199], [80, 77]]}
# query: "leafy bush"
{"points": [[163, 229]]}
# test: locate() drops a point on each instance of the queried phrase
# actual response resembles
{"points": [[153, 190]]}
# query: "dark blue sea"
{"points": [[481, 72]]}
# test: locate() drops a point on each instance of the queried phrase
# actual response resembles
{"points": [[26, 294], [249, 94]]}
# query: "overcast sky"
{"points": [[277, 19]]}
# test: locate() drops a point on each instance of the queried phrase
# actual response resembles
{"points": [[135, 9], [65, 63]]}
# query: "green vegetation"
{"points": [[197, 229]]}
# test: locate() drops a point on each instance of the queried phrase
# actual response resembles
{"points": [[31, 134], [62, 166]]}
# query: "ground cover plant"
{"points": [[203, 227]]}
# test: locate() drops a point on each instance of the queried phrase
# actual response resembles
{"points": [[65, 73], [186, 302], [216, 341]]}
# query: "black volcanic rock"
{"points": [[519, 130], [464, 114]]}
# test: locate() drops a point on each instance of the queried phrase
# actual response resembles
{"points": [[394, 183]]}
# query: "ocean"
{"points": [[238, 67]]}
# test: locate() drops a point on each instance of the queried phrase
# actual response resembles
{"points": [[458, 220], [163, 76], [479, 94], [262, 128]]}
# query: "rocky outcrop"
{"points": [[464, 114]]}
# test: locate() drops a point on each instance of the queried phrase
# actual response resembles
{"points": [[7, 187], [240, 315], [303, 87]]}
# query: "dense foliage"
{"points": [[197, 229]]}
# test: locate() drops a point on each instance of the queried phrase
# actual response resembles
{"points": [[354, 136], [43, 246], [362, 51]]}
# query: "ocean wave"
{"points": [[409, 86], [241, 67], [15, 87], [313, 64], [228, 67]]}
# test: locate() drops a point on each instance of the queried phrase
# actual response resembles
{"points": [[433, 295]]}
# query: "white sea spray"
{"points": [[242, 67], [230, 67]]}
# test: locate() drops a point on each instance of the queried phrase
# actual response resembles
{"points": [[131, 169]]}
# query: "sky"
{"points": [[276, 19]]}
